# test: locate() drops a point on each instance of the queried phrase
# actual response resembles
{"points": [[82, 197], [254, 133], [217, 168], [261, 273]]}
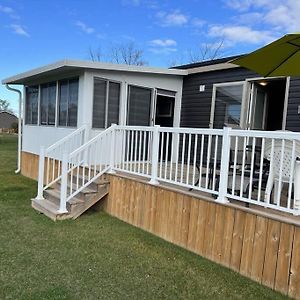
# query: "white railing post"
{"points": [[297, 188], [40, 194], [154, 158], [64, 182], [223, 184], [112, 149]]}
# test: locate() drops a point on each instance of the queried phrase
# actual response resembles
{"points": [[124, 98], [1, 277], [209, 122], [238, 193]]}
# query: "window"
{"points": [[139, 106], [68, 102], [48, 104], [228, 104], [106, 103], [31, 113]]}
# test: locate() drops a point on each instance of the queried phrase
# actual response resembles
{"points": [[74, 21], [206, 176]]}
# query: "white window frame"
{"points": [[243, 103]]}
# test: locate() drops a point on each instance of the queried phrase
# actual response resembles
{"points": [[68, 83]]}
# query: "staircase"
{"points": [[89, 196], [72, 174]]}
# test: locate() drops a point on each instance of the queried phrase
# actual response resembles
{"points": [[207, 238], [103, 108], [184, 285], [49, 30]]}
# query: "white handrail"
{"points": [[50, 159]]}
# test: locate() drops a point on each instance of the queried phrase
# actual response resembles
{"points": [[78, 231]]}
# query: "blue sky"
{"points": [[36, 32]]}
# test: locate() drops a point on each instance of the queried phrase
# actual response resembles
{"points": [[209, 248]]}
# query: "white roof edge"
{"points": [[93, 65], [215, 67]]}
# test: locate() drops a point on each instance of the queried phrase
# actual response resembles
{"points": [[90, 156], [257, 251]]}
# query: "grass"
{"points": [[97, 256]]}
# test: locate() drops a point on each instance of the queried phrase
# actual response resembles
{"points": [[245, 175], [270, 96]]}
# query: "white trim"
{"points": [[213, 100], [19, 78], [214, 67], [286, 102]]}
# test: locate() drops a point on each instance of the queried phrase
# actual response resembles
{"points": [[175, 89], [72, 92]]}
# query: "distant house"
{"points": [[7, 119]]}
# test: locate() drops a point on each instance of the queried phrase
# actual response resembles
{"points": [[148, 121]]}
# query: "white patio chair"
{"points": [[286, 167]]}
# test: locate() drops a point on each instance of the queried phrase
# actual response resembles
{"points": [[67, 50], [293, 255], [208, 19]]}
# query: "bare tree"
{"points": [[206, 52], [127, 54], [5, 105], [96, 55]]}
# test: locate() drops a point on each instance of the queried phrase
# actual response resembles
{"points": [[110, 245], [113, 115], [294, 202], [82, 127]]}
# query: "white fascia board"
{"points": [[92, 65], [216, 67]]}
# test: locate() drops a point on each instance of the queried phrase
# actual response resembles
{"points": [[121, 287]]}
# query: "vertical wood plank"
{"points": [[229, 219], [294, 285], [171, 217], [147, 214], [165, 213], [178, 218], [201, 222], [284, 258], [191, 243], [248, 242], [237, 240], [184, 230], [259, 248], [209, 230], [218, 235], [271, 254], [153, 209]]}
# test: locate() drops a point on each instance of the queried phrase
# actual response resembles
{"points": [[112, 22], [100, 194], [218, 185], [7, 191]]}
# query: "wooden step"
{"points": [[53, 195], [87, 190], [49, 209]]}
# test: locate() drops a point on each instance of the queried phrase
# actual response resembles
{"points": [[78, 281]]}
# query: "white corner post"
{"points": [[225, 156], [154, 156], [40, 195], [297, 188], [64, 185], [112, 149]]}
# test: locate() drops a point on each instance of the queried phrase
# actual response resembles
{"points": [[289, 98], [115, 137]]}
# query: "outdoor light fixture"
{"points": [[263, 83]]}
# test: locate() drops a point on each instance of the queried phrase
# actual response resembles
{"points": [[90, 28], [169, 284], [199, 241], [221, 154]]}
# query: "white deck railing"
{"points": [[253, 167]]}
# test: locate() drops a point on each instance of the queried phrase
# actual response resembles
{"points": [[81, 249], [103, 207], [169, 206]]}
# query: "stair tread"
{"points": [[96, 181], [55, 193]]}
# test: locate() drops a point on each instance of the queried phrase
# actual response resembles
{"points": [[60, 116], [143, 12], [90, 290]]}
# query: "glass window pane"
{"points": [[73, 102], [51, 103], [63, 102], [228, 105], [31, 114], [44, 104], [113, 103], [100, 87], [139, 106]]}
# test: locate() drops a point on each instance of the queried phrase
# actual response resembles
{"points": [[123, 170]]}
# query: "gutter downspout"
{"points": [[19, 127]]}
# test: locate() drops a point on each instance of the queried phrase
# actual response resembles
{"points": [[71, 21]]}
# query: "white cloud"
{"points": [[9, 11], [240, 34], [19, 29], [163, 46], [163, 50], [282, 15], [163, 43], [174, 18], [85, 28], [196, 22], [131, 2]]}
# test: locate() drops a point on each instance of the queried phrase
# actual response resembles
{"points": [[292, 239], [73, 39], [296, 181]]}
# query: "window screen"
{"points": [[106, 103], [139, 106], [68, 102], [31, 114], [48, 104]]}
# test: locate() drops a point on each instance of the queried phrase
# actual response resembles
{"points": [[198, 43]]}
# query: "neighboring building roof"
{"points": [[72, 65], [8, 112], [210, 65], [7, 118], [207, 62]]}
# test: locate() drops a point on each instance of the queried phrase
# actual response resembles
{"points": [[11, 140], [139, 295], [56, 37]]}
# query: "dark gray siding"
{"points": [[293, 119], [195, 108], [7, 119]]}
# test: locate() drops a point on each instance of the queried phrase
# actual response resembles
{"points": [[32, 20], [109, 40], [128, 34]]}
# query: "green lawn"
{"points": [[97, 256]]}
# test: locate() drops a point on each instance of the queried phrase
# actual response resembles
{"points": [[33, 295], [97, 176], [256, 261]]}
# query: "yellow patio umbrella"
{"points": [[280, 58]]}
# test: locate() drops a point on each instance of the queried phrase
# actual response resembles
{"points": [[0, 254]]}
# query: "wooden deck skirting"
{"points": [[258, 247], [256, 243]]}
